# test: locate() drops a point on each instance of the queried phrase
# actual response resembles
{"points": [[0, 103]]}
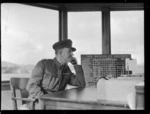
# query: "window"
{"points": [[85, 30], [28, 34], [127, 35]]}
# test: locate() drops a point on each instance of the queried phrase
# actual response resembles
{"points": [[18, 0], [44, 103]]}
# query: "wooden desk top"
{"points": [[86, 95]]}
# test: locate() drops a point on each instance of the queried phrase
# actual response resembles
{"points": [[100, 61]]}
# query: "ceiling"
{"points": [[89, 6]]}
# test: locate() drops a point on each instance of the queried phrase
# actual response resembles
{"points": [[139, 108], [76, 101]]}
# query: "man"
{"points": [[52, 75]]}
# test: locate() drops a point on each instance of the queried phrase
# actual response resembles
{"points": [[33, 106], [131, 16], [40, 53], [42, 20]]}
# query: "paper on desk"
{"points": [[117, 91]]}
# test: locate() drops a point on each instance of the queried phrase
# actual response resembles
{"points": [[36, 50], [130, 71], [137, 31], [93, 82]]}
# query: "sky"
{"points": [[28, 33]]}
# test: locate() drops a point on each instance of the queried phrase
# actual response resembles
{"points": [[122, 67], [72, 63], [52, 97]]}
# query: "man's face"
{"points": [[66, 54]]}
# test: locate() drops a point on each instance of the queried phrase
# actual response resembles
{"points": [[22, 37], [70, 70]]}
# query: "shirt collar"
{"points": [[58, 64]]}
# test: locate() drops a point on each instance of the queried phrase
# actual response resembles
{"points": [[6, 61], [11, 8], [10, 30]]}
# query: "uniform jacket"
{"points": [[49, 76]]}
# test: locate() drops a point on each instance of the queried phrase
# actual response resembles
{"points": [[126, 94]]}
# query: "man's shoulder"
{"points": [[46, 60]]}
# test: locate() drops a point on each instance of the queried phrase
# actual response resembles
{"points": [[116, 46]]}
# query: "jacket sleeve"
{"points": [[34, 84], [78, 79]]}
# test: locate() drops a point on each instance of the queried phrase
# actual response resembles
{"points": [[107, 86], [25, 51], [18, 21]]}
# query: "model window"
{"points": [[85, 29], [28, 34], [127, 35]]}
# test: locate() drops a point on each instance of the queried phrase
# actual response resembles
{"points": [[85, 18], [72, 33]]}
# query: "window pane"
{"points": [[127, 35], [28, 34], [85, 29]]}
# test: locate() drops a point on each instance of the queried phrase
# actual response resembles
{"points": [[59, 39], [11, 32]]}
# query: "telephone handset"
{"points": [[73, 61]]}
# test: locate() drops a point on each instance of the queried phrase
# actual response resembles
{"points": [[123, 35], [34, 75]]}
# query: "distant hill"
{"points": [[9, 67], [7, 64]]}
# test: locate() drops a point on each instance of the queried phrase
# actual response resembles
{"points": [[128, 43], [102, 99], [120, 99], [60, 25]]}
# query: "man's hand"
{"points": [[74, 61]]}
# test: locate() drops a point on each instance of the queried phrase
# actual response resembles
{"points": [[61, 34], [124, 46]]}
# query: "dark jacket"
{"points": [[49, 76]]}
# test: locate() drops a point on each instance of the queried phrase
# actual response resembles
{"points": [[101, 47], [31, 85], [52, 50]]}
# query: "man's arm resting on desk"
{"points": [[78, 79]]}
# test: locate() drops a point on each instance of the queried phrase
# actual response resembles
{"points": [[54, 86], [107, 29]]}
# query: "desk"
{"points": [[78, 98]]}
